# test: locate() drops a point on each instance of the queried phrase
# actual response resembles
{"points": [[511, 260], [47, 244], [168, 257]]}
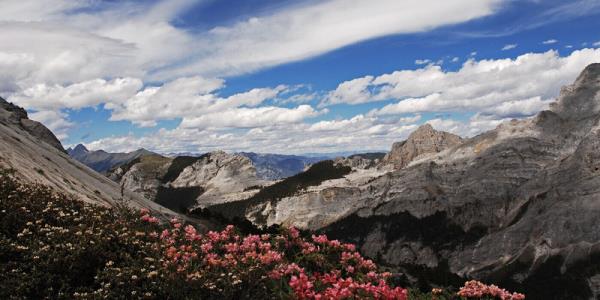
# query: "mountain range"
{"points": [[518, 205], [268, 166]]}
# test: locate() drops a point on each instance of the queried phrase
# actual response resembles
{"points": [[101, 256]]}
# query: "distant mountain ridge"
{"points": [[278, 166], [103, 161], [268, 166]]}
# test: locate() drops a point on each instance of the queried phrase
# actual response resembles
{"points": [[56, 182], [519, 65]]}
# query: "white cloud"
{"points": [[549, 42], [34, 10], [78, 95], [455, 59], [518, 108], [509, 46], [357, 133], [422, 61], [79, 40], [491, 91], [499, 86], [251, 117], [185, 98], [307, 30], [597, 44], [351, 92]]}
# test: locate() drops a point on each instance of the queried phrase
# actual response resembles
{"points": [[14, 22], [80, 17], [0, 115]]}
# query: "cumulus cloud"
{"points": [[187, 98], [359, 132], [251, 117], [352, 92], [77, 95], [501, 86]]}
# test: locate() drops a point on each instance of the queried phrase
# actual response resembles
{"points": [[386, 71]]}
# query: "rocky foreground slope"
{"points": [[518, 205], [36, 155]]}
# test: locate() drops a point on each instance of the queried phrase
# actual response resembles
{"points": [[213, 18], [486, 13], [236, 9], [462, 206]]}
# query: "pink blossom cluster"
{"points": [[316, 268], [145, 216], [335, 287], [476, 289]]}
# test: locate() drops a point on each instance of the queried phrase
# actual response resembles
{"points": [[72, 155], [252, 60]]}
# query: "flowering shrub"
{"points": [[475, 290], [56, 247], [52, 246], [285, 264]]}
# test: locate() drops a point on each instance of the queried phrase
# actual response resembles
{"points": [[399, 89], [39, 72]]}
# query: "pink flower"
{"points": [[206, 247], [321, 239], [294, 233], [144, 211], [476, 289]]}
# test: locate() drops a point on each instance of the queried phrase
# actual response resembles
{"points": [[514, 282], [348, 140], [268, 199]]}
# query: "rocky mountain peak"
{"points": [[581, 99], [11, 114], [80, 149], [425, 140]]}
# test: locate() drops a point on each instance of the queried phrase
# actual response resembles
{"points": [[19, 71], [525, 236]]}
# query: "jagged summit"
{"points": [[581, 99], [15, 115], [80, 149], [425, 140]]}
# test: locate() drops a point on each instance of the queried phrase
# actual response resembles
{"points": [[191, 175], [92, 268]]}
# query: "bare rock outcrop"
{"points": [[17, 116], [184, 182], [423, 141], [223, 177]]}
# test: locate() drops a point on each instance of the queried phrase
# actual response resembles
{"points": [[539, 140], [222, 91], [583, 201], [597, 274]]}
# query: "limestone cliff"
{"points": [[424, 141]]}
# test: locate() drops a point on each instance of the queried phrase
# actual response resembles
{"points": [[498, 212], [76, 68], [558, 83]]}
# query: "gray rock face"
{"points": [[184, 182], [34, 159], [423, 141], [361, 161], [518, 205], [15, 115], [223, 177]]}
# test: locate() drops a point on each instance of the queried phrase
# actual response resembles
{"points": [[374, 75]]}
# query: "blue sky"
{"points": [[287, 76]]}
